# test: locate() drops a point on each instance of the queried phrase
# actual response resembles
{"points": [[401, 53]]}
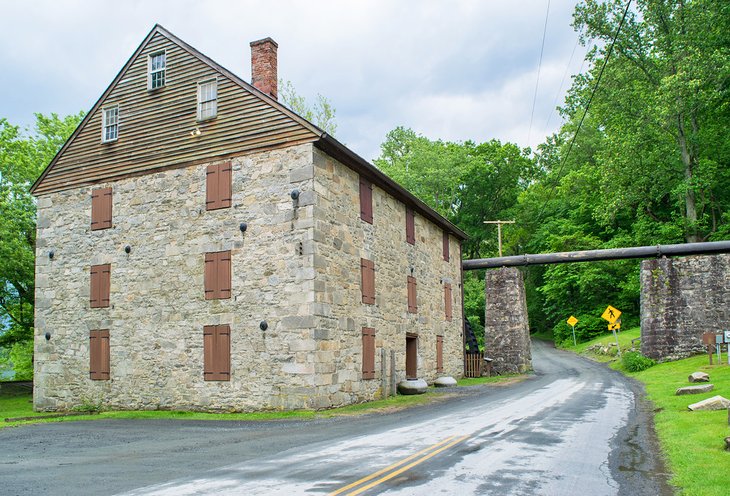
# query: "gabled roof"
{"points": [[294, 130]]}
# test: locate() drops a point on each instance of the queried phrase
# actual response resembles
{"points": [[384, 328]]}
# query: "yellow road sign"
{"points": [[615, 326], [572, 321], [611, 314]]}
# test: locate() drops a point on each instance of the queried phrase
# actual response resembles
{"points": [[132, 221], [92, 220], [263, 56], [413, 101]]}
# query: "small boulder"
{"points": [[714, 403], [412, 386], [699, 377], [703, 388], [445, 381], [727, 443]]}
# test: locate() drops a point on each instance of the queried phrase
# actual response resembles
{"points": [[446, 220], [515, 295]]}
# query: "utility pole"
{"points": [[499, 230]]}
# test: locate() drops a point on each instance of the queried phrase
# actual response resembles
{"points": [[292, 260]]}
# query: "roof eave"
{"points": [[351, 159]]}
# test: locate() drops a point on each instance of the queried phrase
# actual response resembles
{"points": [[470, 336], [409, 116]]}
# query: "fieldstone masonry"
{"points": [[506, 326], [297, 266], [682, 298]]}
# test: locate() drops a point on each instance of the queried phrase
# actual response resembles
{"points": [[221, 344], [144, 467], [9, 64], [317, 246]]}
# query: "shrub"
{"points": [[633, 361], [587, 328]]}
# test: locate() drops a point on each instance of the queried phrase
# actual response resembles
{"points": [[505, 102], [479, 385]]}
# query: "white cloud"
{"points": [[452, 70]]}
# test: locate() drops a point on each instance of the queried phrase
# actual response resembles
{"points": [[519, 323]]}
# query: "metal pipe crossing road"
{"points": [[596, 255]]}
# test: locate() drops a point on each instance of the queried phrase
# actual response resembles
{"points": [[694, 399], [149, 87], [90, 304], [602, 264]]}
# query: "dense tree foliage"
{"points": [[650, 164], [23, 155]]}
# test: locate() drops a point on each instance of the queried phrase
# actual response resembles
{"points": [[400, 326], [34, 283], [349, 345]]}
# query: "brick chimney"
{"points": [[263, 66]]}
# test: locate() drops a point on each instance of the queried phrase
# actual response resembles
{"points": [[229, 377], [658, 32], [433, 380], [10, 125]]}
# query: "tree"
{"points": [[23, 155], [465, 182], [663, 107], [321, 113]]}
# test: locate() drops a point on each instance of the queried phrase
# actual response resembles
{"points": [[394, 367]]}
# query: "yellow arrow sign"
{"points": [[572, 321], [611, 314], [615, 326]]}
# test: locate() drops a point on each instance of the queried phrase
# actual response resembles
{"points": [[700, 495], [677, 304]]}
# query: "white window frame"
{"points": [[201, 102], [156, 71], [105, 125]]}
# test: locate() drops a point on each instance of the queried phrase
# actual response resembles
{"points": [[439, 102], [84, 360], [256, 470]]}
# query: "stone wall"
{"points": [[506, 327], [681, 298], [292, 268], [341, 239]]}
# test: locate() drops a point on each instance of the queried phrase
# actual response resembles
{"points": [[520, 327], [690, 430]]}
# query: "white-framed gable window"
{"points": [[157, 65], [109, 123], [207, 99]]}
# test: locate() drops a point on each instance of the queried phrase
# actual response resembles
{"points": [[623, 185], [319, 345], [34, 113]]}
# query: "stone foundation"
{"points": [[682, 298], [506, 326]]}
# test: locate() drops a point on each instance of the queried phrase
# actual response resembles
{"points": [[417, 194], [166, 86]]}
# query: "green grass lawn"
{"points": [[692, 442], [17, 402]]}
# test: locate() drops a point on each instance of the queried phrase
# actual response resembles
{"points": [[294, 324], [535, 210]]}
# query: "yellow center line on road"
{"points": [[427, 453]]}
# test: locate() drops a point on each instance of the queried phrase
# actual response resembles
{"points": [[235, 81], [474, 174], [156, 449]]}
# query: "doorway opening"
{"points": [[411, 356]]}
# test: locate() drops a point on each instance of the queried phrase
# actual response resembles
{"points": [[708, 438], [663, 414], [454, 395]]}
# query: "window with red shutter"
{"points": [[439, 354], [99, 355], [100, 285], [218, 191], [412, 307], [445, 249], [367, 278], [217, 275], [366, 200], [368, 353], [101, 209], [410, 226], [217, 353], [447, 301]]}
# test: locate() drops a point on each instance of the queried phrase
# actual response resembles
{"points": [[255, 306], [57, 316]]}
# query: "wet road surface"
{"points": [[575, 427]]}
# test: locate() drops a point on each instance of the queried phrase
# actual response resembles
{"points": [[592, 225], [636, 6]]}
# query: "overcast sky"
{"points": [[454, 70]]}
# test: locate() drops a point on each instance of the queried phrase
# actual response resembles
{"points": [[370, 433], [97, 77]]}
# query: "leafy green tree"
{"points": [[321, 113], [23, 155], [662, 107]]}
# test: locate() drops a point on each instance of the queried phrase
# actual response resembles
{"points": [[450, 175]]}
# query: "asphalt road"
{"points": [[574, 428]]}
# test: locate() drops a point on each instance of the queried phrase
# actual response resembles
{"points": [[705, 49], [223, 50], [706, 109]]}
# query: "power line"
{"points": [[539, 66], [595, 87]]}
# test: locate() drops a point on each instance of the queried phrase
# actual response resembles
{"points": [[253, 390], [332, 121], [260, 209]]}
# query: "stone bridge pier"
{"points": [[506, 326]]}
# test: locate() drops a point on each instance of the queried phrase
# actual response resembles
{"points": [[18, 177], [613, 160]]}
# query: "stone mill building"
{"points": [[202, 247]]}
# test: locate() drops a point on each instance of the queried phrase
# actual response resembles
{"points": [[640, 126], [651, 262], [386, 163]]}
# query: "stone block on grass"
{"points": [[703, 388], [714, 403], [699, 377], [445, 381], [412, 386]]}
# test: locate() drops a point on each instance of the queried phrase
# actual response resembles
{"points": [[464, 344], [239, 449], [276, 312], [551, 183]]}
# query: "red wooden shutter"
{"points": [[366, 200], [224, 185], [101, 209], [208, 353], [217, 353], [367, 277], [224, 274], [446, 246], [410, 226], [211, 276], [100, 286], [412, 307], [223, 352], [447, 301], [99, 355], [211, 187], [439, 353], [368, 353]]}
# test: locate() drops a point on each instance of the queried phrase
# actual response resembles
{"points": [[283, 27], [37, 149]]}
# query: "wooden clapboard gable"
{"points": [[155, 126]]}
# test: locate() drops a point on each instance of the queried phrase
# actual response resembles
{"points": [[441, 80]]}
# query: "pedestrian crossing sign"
{"points": [[611, 314]]}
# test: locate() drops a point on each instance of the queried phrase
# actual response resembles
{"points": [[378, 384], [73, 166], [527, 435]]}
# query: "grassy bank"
{"points": [[692, 442]]}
